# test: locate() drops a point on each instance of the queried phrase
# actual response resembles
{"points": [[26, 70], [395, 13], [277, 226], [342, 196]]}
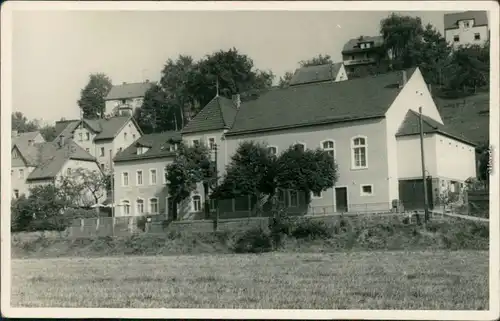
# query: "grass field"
{"points": [[439, 280]]}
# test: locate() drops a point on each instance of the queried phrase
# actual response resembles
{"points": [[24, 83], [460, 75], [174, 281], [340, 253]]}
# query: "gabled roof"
{"points": [[411, 126], [352, 45], [50, 158], [24, 138], [219, 113], [158, 143], [451, 19], [132, 90], [319, 73], [319, 103], [104, 128]]}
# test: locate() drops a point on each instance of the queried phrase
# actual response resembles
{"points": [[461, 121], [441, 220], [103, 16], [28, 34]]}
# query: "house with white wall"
{"points": [[101, 138], [466, 28], [124, 99], [45, 163], [139, 176], [319, 73], [368, 125]]}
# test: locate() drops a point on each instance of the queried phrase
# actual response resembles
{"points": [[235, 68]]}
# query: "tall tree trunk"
{"points": [[206, 201]]}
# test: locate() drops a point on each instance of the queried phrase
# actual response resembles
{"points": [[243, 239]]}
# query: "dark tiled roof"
{"points": [[50, 158], [219, 113], [132, 90], [158, 143], [410, 126], [353, 44], [24, 138], [451, 19], [313, 104], [105, 128], [319, 73]]}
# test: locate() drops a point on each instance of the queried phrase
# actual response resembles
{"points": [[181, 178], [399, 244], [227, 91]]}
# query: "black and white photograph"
{"points": [[250, 159]]}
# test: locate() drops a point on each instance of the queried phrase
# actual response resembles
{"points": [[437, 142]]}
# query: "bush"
{"points": [[312, 229], [255, 240], [78, 213]]}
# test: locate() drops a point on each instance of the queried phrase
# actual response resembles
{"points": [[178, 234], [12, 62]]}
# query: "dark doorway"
{"points": [[341, 199], [411, 194]]}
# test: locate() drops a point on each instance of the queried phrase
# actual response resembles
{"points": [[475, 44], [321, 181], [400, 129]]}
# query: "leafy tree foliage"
{"points": [[48, 132], [83, 187], [315, 61], [21, 123], [92, 96], [285, 80], [192, 165]]}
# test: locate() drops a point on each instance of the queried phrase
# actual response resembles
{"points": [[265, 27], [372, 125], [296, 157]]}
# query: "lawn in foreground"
{"points": [[358, 280]]}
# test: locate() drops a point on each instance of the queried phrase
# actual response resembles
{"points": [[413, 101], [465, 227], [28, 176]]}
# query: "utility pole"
{"points": [[426, 201], [216, 185], [112, 178]]}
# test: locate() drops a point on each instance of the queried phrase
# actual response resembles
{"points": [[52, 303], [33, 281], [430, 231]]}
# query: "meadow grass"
{"points": [[434, 280]]}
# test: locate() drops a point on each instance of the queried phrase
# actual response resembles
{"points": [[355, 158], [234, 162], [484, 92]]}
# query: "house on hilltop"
{"points": [[466, 28], [101, 138], [367, 124], [124, 99], [362, 55]]}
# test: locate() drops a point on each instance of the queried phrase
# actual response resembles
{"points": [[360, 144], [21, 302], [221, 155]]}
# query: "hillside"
{"points": [[469, 115]]}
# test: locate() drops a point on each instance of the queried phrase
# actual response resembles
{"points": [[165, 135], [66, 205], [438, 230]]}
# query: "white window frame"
{"points": [[290, 198], [137, 177], [87, 136], [151, 207], [210, 145], [144, 210], [151, 176], [123, 178], [316, 197], [193, 142], [193, 203], [301, 143], [273, 146], [329, 149], [353, 147], [362, 193], [103, 152], [124, 204]]}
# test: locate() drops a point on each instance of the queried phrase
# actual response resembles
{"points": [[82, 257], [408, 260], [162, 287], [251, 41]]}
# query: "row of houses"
{"points": [[370, 125]]}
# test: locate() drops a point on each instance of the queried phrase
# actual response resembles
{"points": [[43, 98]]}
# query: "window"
{"points": [[102, 151], [317, 195], [87, 150], [103, 167], [126, 208], [133, 137], [153, 205], [196, 203], [359, 153], [140, 206], [196, 142], [477, 36], [125, 178], [456, 38], [211, 143], [165, 175], [281, 196], [466, 24], [16, 193], [294, 198], [124, 101], [273, 150], [329, 147], [152, 176], [81, 137], [125, 136], [68, 171], [21, 173], [15, 155], [139, 177], [30, 142], [300, 146], [366, 190], [87, 136], [173, 147], [352, 57]]}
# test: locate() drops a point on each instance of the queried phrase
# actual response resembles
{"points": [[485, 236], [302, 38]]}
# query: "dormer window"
{"points": [[141, 150], [173, 147]]}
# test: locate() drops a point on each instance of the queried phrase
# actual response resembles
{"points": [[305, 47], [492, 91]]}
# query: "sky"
{"points": [[54, 52]]}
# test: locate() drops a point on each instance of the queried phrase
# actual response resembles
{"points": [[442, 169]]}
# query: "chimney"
{"points": [[430, 88], [61, 141], [14, 133], [237, 101], [404, 79]]}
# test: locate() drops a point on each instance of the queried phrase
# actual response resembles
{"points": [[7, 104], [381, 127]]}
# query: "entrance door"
{"points": [[341, 199]]}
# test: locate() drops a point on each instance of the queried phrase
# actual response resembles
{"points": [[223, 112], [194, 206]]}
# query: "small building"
{"points": [[319, 73], [139, 176], [363, 55], [124, 99], [101, 138], [466, 28]]}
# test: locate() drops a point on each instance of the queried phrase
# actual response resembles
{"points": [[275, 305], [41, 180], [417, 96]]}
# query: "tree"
{"points": [[48, 132], [92, 96], [318, 60], [83, 187], [254, 171], [400, 33], [484, 152], [22, 124], [156, 114], [285, 80], [192, 165]]}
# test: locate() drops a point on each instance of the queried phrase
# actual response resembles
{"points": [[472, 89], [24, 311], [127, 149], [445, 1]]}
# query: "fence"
{"points": [[104, 226], [476, 203]]}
